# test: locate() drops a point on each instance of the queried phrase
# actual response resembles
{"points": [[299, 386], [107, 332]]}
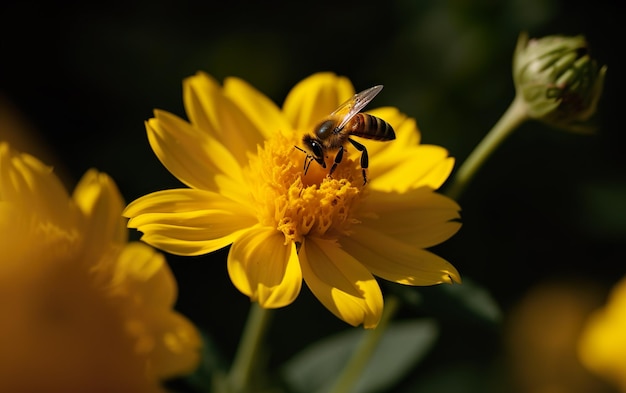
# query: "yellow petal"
{"points": [[198, 93], [602, 342], [189, 240], [410, 167], [396, 261], [264, 268], [98, 198], [407, 133], [183, 200], [419, 217], [316, 97], [16, 237], [178, 344], [210, 110], [188, 221], [341, 283], [261, 111], [176, 240], [169, 339], [194, 157], [34, 188], [196, 226], [143, 272]]}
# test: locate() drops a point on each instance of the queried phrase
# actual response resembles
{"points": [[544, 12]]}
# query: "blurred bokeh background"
{"points": [[544, 222]]}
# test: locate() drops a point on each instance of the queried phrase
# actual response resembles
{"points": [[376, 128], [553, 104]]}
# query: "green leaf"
{"points": [[401, 347]]}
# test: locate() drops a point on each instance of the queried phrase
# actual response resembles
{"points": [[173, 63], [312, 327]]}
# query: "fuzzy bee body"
{"points": [[334, 132]]}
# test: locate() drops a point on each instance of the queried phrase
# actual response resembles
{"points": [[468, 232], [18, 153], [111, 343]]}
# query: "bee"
{"points": [[335, 131]]}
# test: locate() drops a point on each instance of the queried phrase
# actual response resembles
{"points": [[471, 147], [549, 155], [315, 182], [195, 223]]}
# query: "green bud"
{"points": [[560, 84]]}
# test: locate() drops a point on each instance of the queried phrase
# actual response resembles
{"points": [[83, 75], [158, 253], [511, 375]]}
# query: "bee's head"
{"points": [[315, 149]]}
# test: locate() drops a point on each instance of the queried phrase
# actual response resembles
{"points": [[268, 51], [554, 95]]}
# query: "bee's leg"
{"points": [[364, 157], [338, 158]]}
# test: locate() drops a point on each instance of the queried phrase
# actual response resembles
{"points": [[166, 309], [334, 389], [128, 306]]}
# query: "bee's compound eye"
{"points": [[325, 129], [317, 150]]}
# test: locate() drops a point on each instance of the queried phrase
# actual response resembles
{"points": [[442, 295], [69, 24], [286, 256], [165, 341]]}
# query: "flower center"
{"points": [[302, 205]]}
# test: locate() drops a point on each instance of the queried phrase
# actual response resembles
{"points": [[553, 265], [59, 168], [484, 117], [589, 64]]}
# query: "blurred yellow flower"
{"points": [[246, 187], [81, 309], [602, 346]]}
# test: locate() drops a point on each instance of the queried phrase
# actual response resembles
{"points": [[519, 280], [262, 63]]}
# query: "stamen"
{"points": [[299, 202]]}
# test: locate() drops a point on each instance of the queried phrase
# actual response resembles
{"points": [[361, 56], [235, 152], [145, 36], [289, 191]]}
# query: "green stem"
{"points": [[515, 115], [362, 354], [246, 357]]}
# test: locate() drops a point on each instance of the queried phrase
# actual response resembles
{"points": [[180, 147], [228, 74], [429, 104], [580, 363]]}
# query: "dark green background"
{"points": [[547, 205]]}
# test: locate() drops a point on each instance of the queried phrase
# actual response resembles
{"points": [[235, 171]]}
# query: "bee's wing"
{"points": [[348, 109]]}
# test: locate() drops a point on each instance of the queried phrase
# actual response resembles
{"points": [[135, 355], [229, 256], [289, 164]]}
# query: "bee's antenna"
{"points": [[307, 160], [307, 163]]}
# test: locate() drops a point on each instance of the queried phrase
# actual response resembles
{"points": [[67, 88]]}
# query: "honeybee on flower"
{"points": [[246, 188], [336, 130]]}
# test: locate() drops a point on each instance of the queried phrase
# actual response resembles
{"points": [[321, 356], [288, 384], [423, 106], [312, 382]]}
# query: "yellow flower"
{"points": [[81, 309], [247, 188], [602, 346]]}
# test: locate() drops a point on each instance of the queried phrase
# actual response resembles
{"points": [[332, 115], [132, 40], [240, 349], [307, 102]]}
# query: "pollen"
{"points": [[301, 205]]}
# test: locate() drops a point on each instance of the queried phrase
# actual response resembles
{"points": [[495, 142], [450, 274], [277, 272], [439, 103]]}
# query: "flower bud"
{"points": [[558, 81]]}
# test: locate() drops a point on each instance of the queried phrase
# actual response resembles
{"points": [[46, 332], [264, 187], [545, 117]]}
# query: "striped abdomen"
{"points": [[370, 127]]}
